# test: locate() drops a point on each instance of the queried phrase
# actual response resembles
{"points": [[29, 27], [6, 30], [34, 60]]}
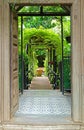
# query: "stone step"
{"points": [[31, 127]]}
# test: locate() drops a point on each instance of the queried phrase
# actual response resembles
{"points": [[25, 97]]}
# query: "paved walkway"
{"points": [[44, 106], [40, 83]]}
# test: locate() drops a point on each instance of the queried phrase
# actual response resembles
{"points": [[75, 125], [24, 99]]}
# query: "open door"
{"points": [[14, 63]]}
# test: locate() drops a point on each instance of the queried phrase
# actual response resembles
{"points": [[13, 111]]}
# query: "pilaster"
{"points": [[1, 69], [76, 61], [6, 60], [82, 56]]}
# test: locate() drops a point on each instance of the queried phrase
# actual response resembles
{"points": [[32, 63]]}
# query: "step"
{"points": [[31, 127]]}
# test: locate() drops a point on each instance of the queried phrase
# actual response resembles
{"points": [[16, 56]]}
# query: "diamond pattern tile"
{"points": [[44, 102]]}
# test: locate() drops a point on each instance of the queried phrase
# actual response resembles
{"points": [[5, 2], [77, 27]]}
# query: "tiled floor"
{"points": [[44, 102], [44, 107]]}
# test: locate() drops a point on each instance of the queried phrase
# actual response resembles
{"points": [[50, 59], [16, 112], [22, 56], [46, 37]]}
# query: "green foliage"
{"points": [[43, 38], [66, 32], [30, 9], [67, 48], [53, 9], [45, 9], [67, 73], [40, 52], [43, 32], [49, 22], [37, 21], [66, 26]]}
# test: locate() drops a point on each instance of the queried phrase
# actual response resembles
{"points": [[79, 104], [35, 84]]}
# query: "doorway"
{"points": [[76, 106], [51, 54]]}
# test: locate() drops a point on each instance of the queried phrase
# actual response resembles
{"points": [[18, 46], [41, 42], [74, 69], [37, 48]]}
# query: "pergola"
{"points": [[41, 12]]}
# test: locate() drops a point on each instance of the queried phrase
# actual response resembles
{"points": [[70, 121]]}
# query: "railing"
{"points": [[53, 77], [27, 80]]}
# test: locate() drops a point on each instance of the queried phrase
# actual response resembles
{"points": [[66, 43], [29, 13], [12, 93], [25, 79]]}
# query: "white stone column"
{"points": [[6, 59], [76, 62]]}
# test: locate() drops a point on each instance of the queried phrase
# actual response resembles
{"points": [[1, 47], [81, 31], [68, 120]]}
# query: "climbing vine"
{"points": [[43, 33]]}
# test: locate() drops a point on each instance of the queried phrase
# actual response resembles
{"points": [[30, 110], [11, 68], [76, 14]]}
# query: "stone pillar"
{"points": [[5, 62], [76, 62]]}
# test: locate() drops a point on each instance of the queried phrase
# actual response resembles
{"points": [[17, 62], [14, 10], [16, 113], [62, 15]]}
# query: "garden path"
{"points": [[40, 83], [44, 107]]}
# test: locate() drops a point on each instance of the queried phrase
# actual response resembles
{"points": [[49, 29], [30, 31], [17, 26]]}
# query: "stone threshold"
{"points": [[23, 124], [41, 127]]}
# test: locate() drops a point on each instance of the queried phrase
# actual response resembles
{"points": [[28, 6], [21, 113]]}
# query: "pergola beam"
{"points": [[44, 14], [17, 8], [66, 8], [40, 2]]}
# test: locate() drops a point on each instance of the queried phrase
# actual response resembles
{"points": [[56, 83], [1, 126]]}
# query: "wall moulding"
{"points": [[50, 2]]}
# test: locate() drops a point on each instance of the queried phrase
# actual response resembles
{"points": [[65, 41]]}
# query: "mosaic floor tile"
{"points": [[44, 102]]}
